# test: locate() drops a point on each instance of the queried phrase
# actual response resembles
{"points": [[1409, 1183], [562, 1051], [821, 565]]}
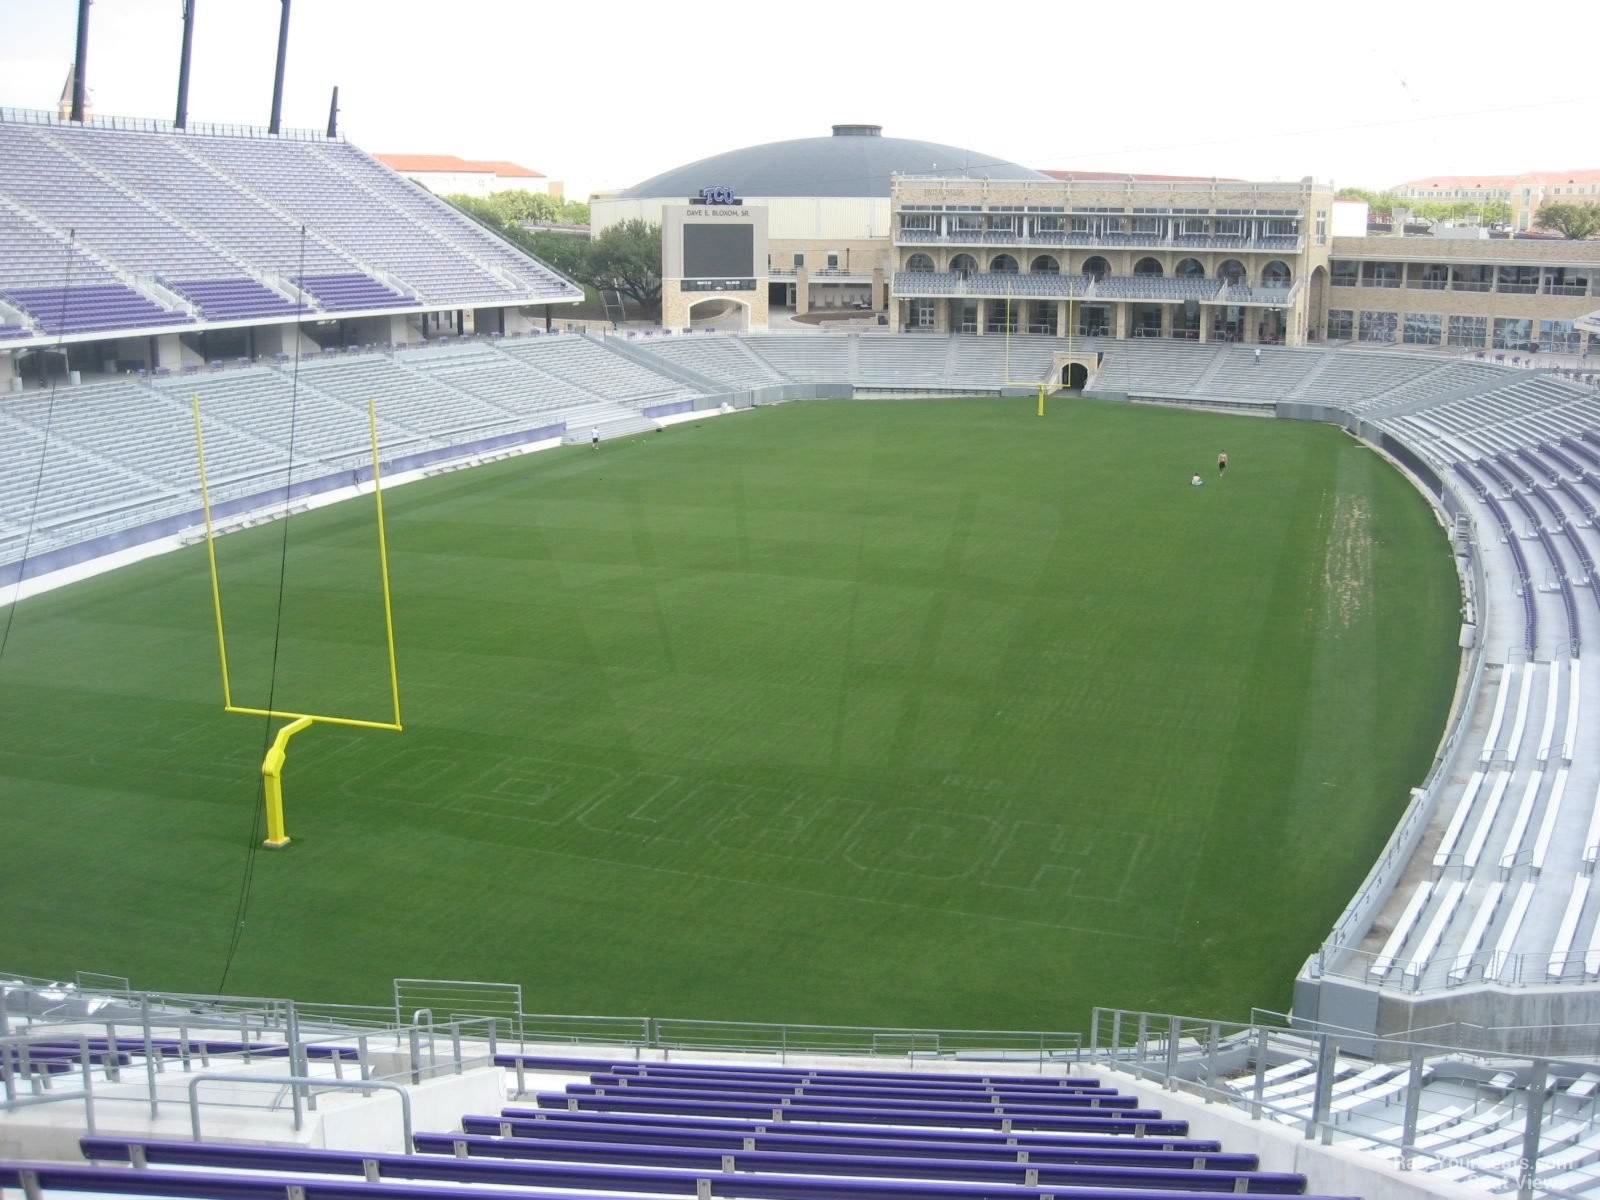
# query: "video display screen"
{"points": [[715, 251]]}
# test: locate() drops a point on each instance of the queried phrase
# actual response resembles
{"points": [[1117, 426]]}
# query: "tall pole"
{"points": [[277, 78], [333, 113], [182, 118], [80, 68]]}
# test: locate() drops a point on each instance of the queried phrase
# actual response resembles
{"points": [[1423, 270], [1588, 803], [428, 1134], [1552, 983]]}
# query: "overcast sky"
{"points": [[602, 95]]}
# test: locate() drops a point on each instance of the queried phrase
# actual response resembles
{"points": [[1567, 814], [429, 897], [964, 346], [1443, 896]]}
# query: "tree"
{"points": [[1380, 205], [1495, 212], [1572, 221], [567, 253], [628, 256]]}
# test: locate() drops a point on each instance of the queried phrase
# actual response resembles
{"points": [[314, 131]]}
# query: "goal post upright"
{"points": [[1010, 320], [211, 551], [273, 762]]}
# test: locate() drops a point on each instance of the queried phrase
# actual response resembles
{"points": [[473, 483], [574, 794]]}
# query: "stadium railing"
{"points": [[40, 116], [1396, 1097]]}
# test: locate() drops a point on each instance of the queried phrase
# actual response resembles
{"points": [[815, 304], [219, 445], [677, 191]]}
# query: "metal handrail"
{"points": [[295, 1083], [1187, 1053]]}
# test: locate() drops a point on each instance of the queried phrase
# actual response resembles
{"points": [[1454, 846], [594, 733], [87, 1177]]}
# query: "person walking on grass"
{"points": [[1222, 462], [594, 438]]}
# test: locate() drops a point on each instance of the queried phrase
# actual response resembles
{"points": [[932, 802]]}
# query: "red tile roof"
{"points": [[1529, 178], [510, 170], [1120, 176], [426, 163]]}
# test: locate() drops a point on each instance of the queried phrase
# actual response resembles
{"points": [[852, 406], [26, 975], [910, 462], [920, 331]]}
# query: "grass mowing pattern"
{"points": [[891, 712]]}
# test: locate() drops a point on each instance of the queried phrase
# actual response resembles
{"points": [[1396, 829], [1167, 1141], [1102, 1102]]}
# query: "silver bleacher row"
{"points": [[122, 453], [142, 204], [1510, 897]]}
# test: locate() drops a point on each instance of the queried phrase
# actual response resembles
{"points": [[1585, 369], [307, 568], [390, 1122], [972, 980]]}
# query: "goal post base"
{"points": [[272, 781]]}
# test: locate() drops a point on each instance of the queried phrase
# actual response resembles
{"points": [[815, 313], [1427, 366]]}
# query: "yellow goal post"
{"points": [[272, 764], [1042, 385]]}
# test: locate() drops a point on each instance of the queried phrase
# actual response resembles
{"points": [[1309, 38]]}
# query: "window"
{"points": [[1469, 331], [1002, 316], [1322, 227], [969, 316], [1566, 281], [1380, 274], [919, 262], [1558, 336], [1344, 272], [1428, 276], [1524, 280], [799, 260], [1378, 326], [1471, 279], [1341, 324], [833, 262], [1513, 333], [1423, 329]]}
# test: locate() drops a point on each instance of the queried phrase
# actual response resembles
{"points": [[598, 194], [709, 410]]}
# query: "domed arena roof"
{"points": [[856, 161]]}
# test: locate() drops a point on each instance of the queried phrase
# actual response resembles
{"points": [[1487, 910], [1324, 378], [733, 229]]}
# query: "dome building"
{"points": [[827, 202]]}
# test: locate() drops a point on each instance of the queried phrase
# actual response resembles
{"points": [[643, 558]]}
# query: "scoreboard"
{"points": [[714, 246]]}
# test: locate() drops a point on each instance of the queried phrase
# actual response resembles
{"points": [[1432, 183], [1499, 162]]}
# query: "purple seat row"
{"points": [[696, 1173], [816, 1138]]}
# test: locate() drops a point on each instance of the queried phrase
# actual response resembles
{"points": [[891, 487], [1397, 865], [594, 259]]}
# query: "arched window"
{"points": [[1045, 265], [1275, 274], [1190, 268], [1232, 270], [1147, 266], [1003, 262], [919, 262], [963, 265], [1096, 267]]}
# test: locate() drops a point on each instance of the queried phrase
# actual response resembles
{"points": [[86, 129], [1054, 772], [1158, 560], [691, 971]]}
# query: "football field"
{"points": [[881, 712]]}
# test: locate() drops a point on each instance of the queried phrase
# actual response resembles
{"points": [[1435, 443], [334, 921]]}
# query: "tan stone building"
{"points": [[1199, 260], [950, 240], [1504, 295], [828, 206]]}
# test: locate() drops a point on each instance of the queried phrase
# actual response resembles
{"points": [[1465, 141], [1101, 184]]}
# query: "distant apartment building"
{"points": [[1524, 193]]}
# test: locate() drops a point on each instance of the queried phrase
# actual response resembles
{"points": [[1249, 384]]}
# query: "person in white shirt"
{"points": [[1196, 481], [594, 438]]}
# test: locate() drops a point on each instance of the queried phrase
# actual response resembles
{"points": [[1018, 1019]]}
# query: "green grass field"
{"points": [[889, 712]]}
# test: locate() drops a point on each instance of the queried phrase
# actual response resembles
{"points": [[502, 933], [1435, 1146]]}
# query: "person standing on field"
{"points": [[594, 438], [1222, 462]]}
